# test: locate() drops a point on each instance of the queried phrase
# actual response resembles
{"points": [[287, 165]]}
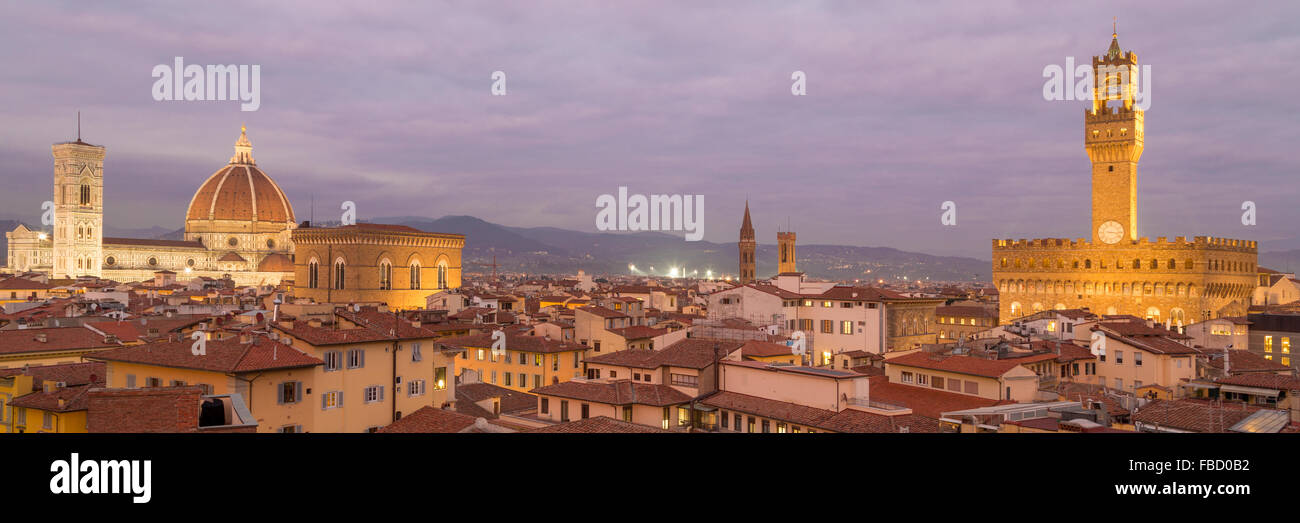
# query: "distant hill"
{"points": [[555, 250], [551, 250]]}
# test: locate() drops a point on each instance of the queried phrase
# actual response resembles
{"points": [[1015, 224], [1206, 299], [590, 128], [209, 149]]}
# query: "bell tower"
{"points": [[747, 246], [785, 241], [78, 234], [1113, 137]]}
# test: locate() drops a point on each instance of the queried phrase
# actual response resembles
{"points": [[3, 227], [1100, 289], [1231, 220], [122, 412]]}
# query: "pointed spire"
{"points": [[243, 149], [747, 227], [1114, 50]]}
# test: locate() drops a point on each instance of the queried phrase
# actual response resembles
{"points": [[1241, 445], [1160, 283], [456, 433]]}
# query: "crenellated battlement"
{"points": [[1207, 243], [1106, 114]]}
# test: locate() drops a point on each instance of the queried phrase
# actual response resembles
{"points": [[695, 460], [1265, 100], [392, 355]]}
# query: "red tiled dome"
{"points": [[240, 191], [275, 262]]}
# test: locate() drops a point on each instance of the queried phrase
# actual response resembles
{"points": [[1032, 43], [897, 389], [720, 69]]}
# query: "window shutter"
{"points": [[361, 358], [279, 393], [381, 393], [340, 403], [323, 397], [297, 391]]}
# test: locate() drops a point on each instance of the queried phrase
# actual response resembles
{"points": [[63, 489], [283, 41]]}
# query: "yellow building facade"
{"points": [[375, 263]]}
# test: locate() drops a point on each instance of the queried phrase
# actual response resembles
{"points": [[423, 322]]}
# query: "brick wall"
{"points": [[160, 409]]}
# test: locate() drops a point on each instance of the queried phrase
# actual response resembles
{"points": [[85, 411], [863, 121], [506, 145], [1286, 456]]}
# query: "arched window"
{"points": [[90, 232], [81, 232], [415, 275], [1155, 264], [313, 272], [1177, 316], [339, 273], [85, 194], [1172, 264], [442, 275], [1137, 264], [385, 275], [1087, 264], [1153, 313], [1015, 308]]}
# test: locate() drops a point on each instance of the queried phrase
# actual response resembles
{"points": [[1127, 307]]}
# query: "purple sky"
{"points": [[907, 106]]}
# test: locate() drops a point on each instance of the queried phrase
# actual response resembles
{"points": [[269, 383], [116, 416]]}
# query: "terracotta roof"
{"points": [[638, 332], [69, 373], [635, 289], [1260, 380], [1241, 361], [839, 292], [511, 400], [599, 425], [386, 323], [22, 284], [19, 341], [1150, 342], [763, 349], [152, 243], [620, 392], [847, 420], [957, 364], [602, 312], [430, 420], [1140, 328], [231, 256], [228, 355], [690, 353], [926, 401], [1192, 415], [769, 408], [138, 328], [73, 397]]}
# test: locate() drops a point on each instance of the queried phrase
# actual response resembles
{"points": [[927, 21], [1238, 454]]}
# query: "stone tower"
{"points": [[747, 247], [78, 209], [785, 241], [1113, 137]]}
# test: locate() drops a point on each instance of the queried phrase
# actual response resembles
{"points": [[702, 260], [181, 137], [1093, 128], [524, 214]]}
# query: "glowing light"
{"points": [[41, 236], [708, 274], [631, 267]]}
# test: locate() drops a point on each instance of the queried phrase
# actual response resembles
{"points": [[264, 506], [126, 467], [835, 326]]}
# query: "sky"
{"points": [[908, 105]]}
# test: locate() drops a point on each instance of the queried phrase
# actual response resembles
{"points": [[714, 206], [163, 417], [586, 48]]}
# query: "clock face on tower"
{"points": [[1110, 232]]}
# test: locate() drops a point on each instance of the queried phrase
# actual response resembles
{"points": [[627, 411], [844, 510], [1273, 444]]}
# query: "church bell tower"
{"points": [[78, 232], [747, 246], [1113, 137]]}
